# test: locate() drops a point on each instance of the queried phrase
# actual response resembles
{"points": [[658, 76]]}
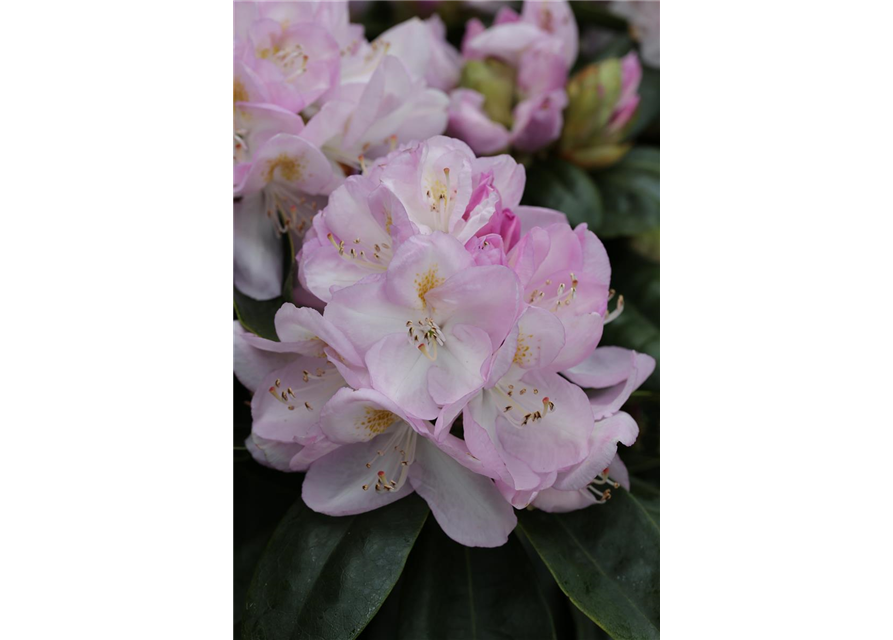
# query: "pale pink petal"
{"points": [[420, 266], [504, 41], [617, 471], [467, 506], [603, 447], [538, 120], [555, 501], [541, 338], [272, 453], [468, 122], [538, 217], [445, 63], [288, 402], [365, 315], [290, 161], [560, 438], [359, 415], [459, 363], [556, 18], [606, 367], [583, 333], [257, 250], [400, 371], [311, 453], [485, 297], [309, 333], [334, 483], [252, 364], [606, 401], [509, 178]]}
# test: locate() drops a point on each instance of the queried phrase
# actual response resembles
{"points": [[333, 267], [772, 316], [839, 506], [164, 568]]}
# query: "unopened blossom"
{"points": [[511, 88], [432, 186], [383, 454], [428, 326], [603, 98]]}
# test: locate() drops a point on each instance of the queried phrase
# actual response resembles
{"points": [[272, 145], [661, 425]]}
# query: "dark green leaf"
{"points": [[586, 629], [597, 13], [564, 187], [452, 592], [630, 193], [257, 315], [325, 578], [261, 496], [606, 559]]}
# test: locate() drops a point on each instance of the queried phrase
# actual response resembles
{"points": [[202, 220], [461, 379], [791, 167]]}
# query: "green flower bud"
{"points": [[495, 80]]}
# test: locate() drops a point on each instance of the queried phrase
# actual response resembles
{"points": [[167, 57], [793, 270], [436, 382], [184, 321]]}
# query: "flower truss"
{"points": [[442, 297], [312, 100]]}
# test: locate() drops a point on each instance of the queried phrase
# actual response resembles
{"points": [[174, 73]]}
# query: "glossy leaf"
{"points": [[559, 185], [325, 578], [606, 558], [630, 192], [451, 591], [261, 496]]}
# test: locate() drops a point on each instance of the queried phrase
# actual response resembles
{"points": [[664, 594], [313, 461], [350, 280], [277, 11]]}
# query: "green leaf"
{"points": [[630, 193], [257, 315], [606, 559], [451, 591], [325, 578], [565, 187], [261, 496]]}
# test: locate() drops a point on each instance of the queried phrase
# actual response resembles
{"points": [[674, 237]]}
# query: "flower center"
{"points": [[290, 211], [377, 256], [290, 58], [287, 396], [523, 406], [425, 335], [438, 193], [554, 299], [402, 442]]}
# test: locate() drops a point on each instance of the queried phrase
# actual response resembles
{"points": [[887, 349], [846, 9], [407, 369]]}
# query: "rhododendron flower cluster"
{"points": [[455, 355], [312, 100]]}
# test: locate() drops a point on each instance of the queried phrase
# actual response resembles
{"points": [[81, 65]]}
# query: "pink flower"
{"points": [[292, 381], [428, 326], [613, 373], [566, 272], [277, 177], [644, 23], [383, 455], [436, 185], [527, 423]]}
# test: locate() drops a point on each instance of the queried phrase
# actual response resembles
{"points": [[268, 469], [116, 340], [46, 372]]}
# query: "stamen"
{"points": [[613, 315]]}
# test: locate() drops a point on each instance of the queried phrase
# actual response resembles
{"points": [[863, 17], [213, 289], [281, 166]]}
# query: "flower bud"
{"points": [[602, 102], [495, 80]]}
